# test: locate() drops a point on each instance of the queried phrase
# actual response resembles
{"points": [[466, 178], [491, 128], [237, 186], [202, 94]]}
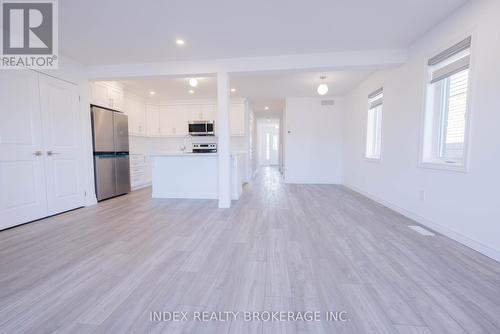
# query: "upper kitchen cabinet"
{"points": [[237, 119], [179, 118], [200, 112], [107, 95], [167, 121], [208, 112], [194, 112], [136, 111], [116, 98], [153, 120]]}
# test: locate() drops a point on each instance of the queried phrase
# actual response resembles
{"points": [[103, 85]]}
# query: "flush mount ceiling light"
{"points": [[233, 90], [191, 91], [152, 92], [193, 82], [323, 87], [266, 108], [179, 42]]}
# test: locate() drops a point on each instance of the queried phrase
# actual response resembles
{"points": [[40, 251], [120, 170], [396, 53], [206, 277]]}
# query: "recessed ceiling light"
{"points": [[193, 82], [323, 87], [179, 42], [152, 92], [266, 108], [191, 91], [233, 90]]}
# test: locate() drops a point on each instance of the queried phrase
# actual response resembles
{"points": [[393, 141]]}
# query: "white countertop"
{"points": [[190, 154], [182, 154]]}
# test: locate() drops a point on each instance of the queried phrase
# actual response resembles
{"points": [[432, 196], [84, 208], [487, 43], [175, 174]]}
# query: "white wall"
{"points": [[464, 206], [313, 141]]}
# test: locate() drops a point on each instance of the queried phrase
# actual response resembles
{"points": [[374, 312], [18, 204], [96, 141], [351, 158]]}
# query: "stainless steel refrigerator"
{"points": [[111, 152]]}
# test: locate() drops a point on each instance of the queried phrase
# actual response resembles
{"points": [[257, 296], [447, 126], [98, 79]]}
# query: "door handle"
{"points": [[50, 153], [37, 153]]}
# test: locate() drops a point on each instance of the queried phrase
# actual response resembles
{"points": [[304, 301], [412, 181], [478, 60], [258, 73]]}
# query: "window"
{"points": [[374, 125], [445, 127]]}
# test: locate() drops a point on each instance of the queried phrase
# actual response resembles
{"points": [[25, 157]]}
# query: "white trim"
{"points": [[446, 231], [438, 165], [373, 159], [140, 186]]}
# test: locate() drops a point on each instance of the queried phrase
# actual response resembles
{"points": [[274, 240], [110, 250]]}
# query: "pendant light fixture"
{"points": [[323, 87]]}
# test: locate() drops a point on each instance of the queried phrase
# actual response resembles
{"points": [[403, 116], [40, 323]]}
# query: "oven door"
{"points": [[197, 128]]}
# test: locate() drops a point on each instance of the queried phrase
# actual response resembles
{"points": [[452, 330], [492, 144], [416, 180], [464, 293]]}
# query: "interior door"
{"points": [[63, 144], [22, 180], [269, 143]]}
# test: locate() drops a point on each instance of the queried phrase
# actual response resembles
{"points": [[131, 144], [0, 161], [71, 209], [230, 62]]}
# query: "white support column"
{"points": [[224, 144]]}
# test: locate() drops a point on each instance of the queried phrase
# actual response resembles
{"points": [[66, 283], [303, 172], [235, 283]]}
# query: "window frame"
{"points": [[374, 158], [441, 164]]}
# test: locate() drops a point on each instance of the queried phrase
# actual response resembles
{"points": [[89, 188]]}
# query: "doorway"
{"points": [[269, 142]]}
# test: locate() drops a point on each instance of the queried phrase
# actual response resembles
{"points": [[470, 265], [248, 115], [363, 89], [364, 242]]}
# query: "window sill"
{"points": [[372, 159], [444, 166]]}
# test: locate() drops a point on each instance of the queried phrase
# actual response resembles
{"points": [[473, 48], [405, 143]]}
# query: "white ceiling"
{"points": [[97, 32], [168, 88], [262, 89]]}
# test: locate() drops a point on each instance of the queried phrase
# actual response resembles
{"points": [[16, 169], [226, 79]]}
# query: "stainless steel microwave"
{"points": [[201, 128]]}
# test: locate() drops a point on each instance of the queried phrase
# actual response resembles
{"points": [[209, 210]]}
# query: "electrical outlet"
{"points": [[421, 195]]}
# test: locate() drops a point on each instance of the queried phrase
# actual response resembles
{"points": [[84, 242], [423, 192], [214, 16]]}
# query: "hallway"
{"points": [[281, 247]]}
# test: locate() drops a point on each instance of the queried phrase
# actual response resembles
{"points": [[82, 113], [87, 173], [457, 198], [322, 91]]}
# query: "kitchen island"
{"points": [[195, 175], [185, 175]]}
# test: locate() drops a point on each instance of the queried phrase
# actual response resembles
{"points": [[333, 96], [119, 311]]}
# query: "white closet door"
{"points": [[63, 144], [22, 180]]}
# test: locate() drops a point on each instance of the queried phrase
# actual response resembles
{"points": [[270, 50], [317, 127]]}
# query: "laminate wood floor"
{"points": [[104, 268]]}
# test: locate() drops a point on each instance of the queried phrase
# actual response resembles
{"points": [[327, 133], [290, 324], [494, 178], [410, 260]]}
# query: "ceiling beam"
{"points": [[318, 61]]}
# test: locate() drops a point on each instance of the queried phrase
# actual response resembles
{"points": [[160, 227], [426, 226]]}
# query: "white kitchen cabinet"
{"points": [[166, 121], [138, 173], [172, 120], [153, 120], [136, 111], [194, 112], [99, 94], [115, 98], [208, 112], [105, 95], [180, 119], [237, 119]]}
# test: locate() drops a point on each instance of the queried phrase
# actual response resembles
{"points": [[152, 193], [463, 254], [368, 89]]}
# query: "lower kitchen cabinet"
{"points": [[138, 171]]}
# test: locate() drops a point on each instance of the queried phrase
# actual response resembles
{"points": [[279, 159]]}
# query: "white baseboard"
{"points": [[140, 186], [450, 233], [305, 181]]}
